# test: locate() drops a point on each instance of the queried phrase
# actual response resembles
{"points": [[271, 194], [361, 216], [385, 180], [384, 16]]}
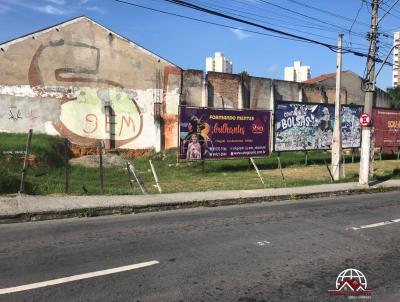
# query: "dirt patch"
{"points": [[381, 168], [77, 151], [109, 160], [136, 153]]}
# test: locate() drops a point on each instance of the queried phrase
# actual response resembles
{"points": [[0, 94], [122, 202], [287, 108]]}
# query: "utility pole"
{"points": [[337, 168], [367, 149]]}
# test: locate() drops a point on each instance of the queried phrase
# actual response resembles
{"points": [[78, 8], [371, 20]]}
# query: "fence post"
{"points": [[258, 171], [343, 167], [26, 163], [129, 177], [329, 171], [101, 167], [137, 177], [352, 155], [306, 160], [66, 166], [280, 167], [155, 177]]}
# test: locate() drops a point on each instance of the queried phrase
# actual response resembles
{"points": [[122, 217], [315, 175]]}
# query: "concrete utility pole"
{"points": [[367, 148], [337, 168]]}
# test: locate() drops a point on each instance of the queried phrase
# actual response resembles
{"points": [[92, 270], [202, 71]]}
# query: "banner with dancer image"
{"points": [[300, 126], [223, 133]]}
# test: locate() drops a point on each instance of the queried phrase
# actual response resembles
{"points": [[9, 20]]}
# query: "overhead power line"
{"points": [[330, 13], [280, 32], [276, 32], [301, 14], [207, 22], [355, 20], [223, 9], [287, 24]]}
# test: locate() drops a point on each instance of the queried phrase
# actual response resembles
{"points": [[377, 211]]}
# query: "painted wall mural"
{"points": [[106, 114], [84, 71], [122, 118], [300, 126], [84, 82]]}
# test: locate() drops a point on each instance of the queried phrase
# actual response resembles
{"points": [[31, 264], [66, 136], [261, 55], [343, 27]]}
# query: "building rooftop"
{"points": [[320, 78]]}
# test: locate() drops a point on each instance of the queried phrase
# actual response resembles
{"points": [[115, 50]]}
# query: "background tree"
{"points": [[394, 94], [243, 75]]}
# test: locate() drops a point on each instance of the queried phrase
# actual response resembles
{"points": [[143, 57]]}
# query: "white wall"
{"points": [[80, 114]]}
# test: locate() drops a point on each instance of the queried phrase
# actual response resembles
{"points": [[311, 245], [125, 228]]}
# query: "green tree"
{"points": [[394, 94], [244, 75]]}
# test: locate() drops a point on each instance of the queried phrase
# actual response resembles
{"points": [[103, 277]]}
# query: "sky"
{"points": [[187, 43]]}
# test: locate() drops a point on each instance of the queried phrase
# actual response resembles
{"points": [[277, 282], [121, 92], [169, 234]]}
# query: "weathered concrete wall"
{"points": [[352, 83], [320, 94], [79, 53], [223, 89], [286, 91], [192, 88], [382, 98], [98, 67], [260, 93], [18, 113], [83, 116]]}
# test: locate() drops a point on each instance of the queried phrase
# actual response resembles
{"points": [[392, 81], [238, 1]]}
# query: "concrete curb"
{"points": [[172, 205]]}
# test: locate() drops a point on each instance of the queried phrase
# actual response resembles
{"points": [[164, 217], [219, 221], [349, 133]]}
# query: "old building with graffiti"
{"points": [[85, 82], [80, 80]]}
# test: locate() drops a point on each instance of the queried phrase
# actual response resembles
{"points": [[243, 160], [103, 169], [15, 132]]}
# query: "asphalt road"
{"points": [[287, 251]]}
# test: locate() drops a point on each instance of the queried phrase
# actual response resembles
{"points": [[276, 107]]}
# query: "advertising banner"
{"points": [[387, 127], [300, 126], [223, 133]]}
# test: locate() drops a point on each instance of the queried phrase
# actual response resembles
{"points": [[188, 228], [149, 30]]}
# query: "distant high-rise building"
{"points": [[396, 60], [219, 63], [297, 73]]}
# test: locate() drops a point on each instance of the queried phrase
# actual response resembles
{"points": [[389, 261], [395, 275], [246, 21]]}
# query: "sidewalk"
{"points": [[31, 208]]}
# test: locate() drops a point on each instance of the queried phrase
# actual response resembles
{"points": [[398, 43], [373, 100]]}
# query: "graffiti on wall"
{"points": [[15, 114], [310, 126], [70, 73], [107, 114], [61, 70], [19, 114]]}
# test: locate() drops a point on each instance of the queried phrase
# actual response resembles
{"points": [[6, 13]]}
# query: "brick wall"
{"points": [[223, 89]]}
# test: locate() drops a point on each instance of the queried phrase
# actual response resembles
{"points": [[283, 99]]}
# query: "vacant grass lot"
{"points": [[47, 175]]}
